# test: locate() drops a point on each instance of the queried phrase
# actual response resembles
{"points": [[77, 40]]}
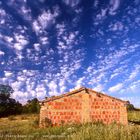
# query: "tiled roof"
{"points": [[77, 91]]}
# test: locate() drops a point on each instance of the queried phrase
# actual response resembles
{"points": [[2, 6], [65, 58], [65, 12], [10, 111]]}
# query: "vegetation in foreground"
{"points": [[26, 127]]}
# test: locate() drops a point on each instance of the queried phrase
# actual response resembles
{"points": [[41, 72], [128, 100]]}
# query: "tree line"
{"points": [[9, 106]]}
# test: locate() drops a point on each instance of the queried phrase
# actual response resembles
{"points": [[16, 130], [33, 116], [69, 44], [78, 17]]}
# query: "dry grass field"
{"points": [[26, 127]]}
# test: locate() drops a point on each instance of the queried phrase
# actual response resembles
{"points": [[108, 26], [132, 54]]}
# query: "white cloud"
{"points": [[2, 53], [8, 73], [17, 42], [26, 12], [115, 4], [100, 16], [66, 40], [135, 86], [103, 13], [18, 46], [37, 46], [132, 87], [112, 59], [22, 78], [96, 3], [134, 73], [21, 8], [63, 65], [62, 85], [20, 39], [130, 92], [118, 26], [25, 85], [60, 29], [76, 87], [109, 41], [17, 85], [36, 27], [53, 88], [133, 100], [80, 82], [2, 21], [2, 12], [8, 39], [40, 91], [44, 40], [113, 75], [99, 87], [44, 20], [71, 3], [20, 96], [115, 88]]}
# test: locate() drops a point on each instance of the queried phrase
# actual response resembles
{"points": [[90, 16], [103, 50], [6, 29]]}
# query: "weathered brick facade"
{"points": [[83, 105]]}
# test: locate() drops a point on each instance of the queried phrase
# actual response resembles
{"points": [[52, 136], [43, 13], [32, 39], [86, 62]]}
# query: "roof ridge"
{"points": [[106, 95], [65, 94], [77, 90]]}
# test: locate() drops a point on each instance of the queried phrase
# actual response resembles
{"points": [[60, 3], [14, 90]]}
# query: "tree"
{"points": [[5, 92], [32, 106], [130, 107], [8, 106]]}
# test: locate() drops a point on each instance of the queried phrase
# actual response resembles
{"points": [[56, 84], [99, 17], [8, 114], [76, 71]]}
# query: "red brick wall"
{"points": [[83, 107], [64, 110], [107, 110]]}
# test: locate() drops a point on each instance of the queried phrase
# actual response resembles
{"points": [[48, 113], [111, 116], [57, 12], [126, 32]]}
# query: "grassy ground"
{"points": [[134, 117], [26, 127]]}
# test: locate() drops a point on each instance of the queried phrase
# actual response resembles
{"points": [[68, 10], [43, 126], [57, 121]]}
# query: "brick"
{"points": [[85, 106]]}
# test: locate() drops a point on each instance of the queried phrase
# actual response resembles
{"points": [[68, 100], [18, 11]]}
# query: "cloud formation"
{"points": [[50, 47], [116, 88]]}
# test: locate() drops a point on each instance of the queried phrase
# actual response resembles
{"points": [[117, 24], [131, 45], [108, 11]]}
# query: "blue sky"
{"points": [[49, 47]]}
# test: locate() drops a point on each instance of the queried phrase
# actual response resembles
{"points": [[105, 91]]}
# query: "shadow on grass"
{"points": [[135, 122]]}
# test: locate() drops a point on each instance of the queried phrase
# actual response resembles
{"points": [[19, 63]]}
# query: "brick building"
{"points": [[82, 105]]}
